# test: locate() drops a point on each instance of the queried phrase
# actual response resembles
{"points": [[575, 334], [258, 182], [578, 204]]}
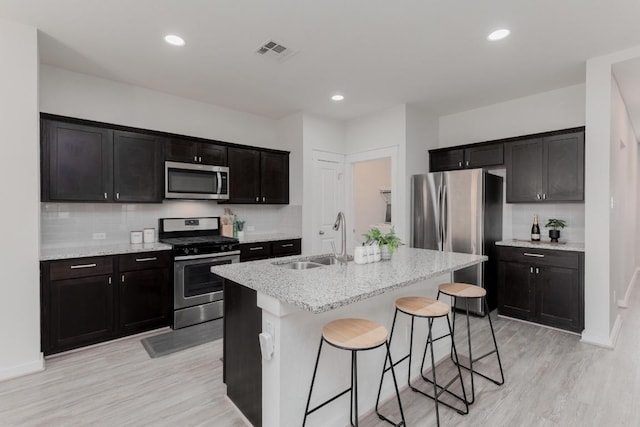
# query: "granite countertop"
{"points": [[54, 252], [267, 237], [560, 246], [325, 288]]}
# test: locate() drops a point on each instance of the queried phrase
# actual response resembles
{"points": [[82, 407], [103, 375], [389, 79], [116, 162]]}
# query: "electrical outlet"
{"points": [[99, 236]]}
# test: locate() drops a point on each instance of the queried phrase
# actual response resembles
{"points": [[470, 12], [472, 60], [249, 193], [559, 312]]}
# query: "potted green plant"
{"points": [[555, 225], [388, 242]]}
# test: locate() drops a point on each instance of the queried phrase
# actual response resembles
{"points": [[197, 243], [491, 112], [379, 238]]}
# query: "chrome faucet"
{"points": [[340, 220]]}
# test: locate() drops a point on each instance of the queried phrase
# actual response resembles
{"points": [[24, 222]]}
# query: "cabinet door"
{"points": [[137, 167], [212, 154], [446, 160], [563, 173], [524, 171], [144, 299], [274, 178], [484, 155], [558, 297], [81, 312], [181, 150], [515, 290], [77, 162], [244, 175]]}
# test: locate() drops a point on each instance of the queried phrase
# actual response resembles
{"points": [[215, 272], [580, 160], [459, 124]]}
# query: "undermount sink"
{"points": [[325, 260], [300, 265]]}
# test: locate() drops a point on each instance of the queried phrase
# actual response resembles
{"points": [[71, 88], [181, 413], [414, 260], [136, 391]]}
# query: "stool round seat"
{"points": [[354, 334], [462, 290], [422, 307]]}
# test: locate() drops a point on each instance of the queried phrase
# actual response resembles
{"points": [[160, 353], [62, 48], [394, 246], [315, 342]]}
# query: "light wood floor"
{"points": [[551, 380]]}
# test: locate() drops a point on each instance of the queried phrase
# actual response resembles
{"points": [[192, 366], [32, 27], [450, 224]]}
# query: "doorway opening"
{"points": [[372, 197]]}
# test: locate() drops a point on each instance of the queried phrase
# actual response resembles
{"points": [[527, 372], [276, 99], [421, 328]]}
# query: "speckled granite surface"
{"points": [[267, 237], [325, 288], [561, 246], [49, 253]]}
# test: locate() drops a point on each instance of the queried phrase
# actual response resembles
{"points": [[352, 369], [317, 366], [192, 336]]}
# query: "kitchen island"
{"points": [[293, 305]]}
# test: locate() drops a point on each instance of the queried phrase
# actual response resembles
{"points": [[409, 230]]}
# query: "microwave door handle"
{"points": [[219, 182]]}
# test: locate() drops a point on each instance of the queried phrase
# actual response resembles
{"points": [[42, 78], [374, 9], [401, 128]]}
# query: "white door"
{"points": [[328, 199]]}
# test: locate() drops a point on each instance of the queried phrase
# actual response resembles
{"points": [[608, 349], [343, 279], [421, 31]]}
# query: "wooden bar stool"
{"points": [[353, 335], [429, 309], [467, 292]]}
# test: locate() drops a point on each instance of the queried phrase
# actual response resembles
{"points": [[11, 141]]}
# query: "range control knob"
{"points": [[186, 251], [194, 250]]}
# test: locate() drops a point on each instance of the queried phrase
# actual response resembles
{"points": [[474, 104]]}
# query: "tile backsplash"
{"points": [[518, 219], [76, 223]]}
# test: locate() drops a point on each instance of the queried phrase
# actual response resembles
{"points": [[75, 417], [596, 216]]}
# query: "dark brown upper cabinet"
{"points": [[257, 176], [76, 162], [83, 163], [190, 151], [137, 167], [479, 156], [548, 169]]}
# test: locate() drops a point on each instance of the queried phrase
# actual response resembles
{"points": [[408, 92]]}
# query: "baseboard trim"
{"points": [[610, 341], [23, 369], [624, 303]]}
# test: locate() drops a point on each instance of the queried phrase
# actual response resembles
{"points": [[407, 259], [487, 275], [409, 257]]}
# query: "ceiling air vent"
{"points": [[275, 50]]}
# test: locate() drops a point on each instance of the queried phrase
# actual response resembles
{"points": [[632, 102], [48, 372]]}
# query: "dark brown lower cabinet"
{"points": [[542, 286], [241, 353], [88, 300]]}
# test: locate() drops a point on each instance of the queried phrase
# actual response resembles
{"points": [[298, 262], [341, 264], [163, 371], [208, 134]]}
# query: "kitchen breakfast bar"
{"points": [[291, 306]]}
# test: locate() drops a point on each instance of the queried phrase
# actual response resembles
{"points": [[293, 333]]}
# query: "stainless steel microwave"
{"points": [[196, 181]]}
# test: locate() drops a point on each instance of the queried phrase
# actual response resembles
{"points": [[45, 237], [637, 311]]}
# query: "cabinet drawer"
{"points": [[286, 247], [144, 260], [253, 251], [541, 257], [80, 267]]}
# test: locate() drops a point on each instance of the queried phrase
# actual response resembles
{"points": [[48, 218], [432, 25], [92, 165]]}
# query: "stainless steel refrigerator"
{"points": [[460, 211]]}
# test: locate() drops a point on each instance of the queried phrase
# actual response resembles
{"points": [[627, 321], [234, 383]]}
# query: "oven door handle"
{"points": [[202, 256]]}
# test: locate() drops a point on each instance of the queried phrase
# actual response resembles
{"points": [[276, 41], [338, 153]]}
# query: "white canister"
{"points": [[136, 237], [370, 255], [376, 252], [149, 235], [360, 255]]}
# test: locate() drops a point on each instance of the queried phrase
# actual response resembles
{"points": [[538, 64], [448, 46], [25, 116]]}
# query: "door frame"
{"points": [[327, 156], [364, 156]]}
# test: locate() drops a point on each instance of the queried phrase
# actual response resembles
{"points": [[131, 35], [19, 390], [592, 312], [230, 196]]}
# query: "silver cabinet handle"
{"points": [[544, 196], [467, 164], [288, 245], [118, 196], [321, 233], [460, 164], [537, 270], [195, 158], [105, 195], [533, 255], [256, 248], [122, 277], [153, 258], [538, 196], [109, 279], [200, 159], [73, 267], [531, 269], [257, 199], [264, 199]]}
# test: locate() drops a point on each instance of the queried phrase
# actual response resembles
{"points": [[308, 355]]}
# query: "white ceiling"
{"points": [[379, 53]]}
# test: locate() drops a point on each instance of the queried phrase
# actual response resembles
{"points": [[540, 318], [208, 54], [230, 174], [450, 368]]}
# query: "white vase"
{"points": [[384, 253]]}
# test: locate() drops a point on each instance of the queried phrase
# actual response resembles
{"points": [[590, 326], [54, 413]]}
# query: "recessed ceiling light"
{"points": [[498, 34], [337, 97], [174, 40]]}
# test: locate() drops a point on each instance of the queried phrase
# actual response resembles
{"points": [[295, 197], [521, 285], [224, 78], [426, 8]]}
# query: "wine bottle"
{"points": [[535, 230]]}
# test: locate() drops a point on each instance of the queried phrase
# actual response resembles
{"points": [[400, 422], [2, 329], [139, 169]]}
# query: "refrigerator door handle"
{"points": [[439, 217], [443, 214]]}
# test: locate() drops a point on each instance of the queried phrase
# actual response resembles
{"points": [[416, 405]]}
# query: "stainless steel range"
{"points": [[197, 246]]}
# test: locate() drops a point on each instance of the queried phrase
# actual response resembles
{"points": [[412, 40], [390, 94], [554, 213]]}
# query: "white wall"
{"points": [[80, 95], [370, 206], [19, 169], [624, 191], [547, 111]]}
